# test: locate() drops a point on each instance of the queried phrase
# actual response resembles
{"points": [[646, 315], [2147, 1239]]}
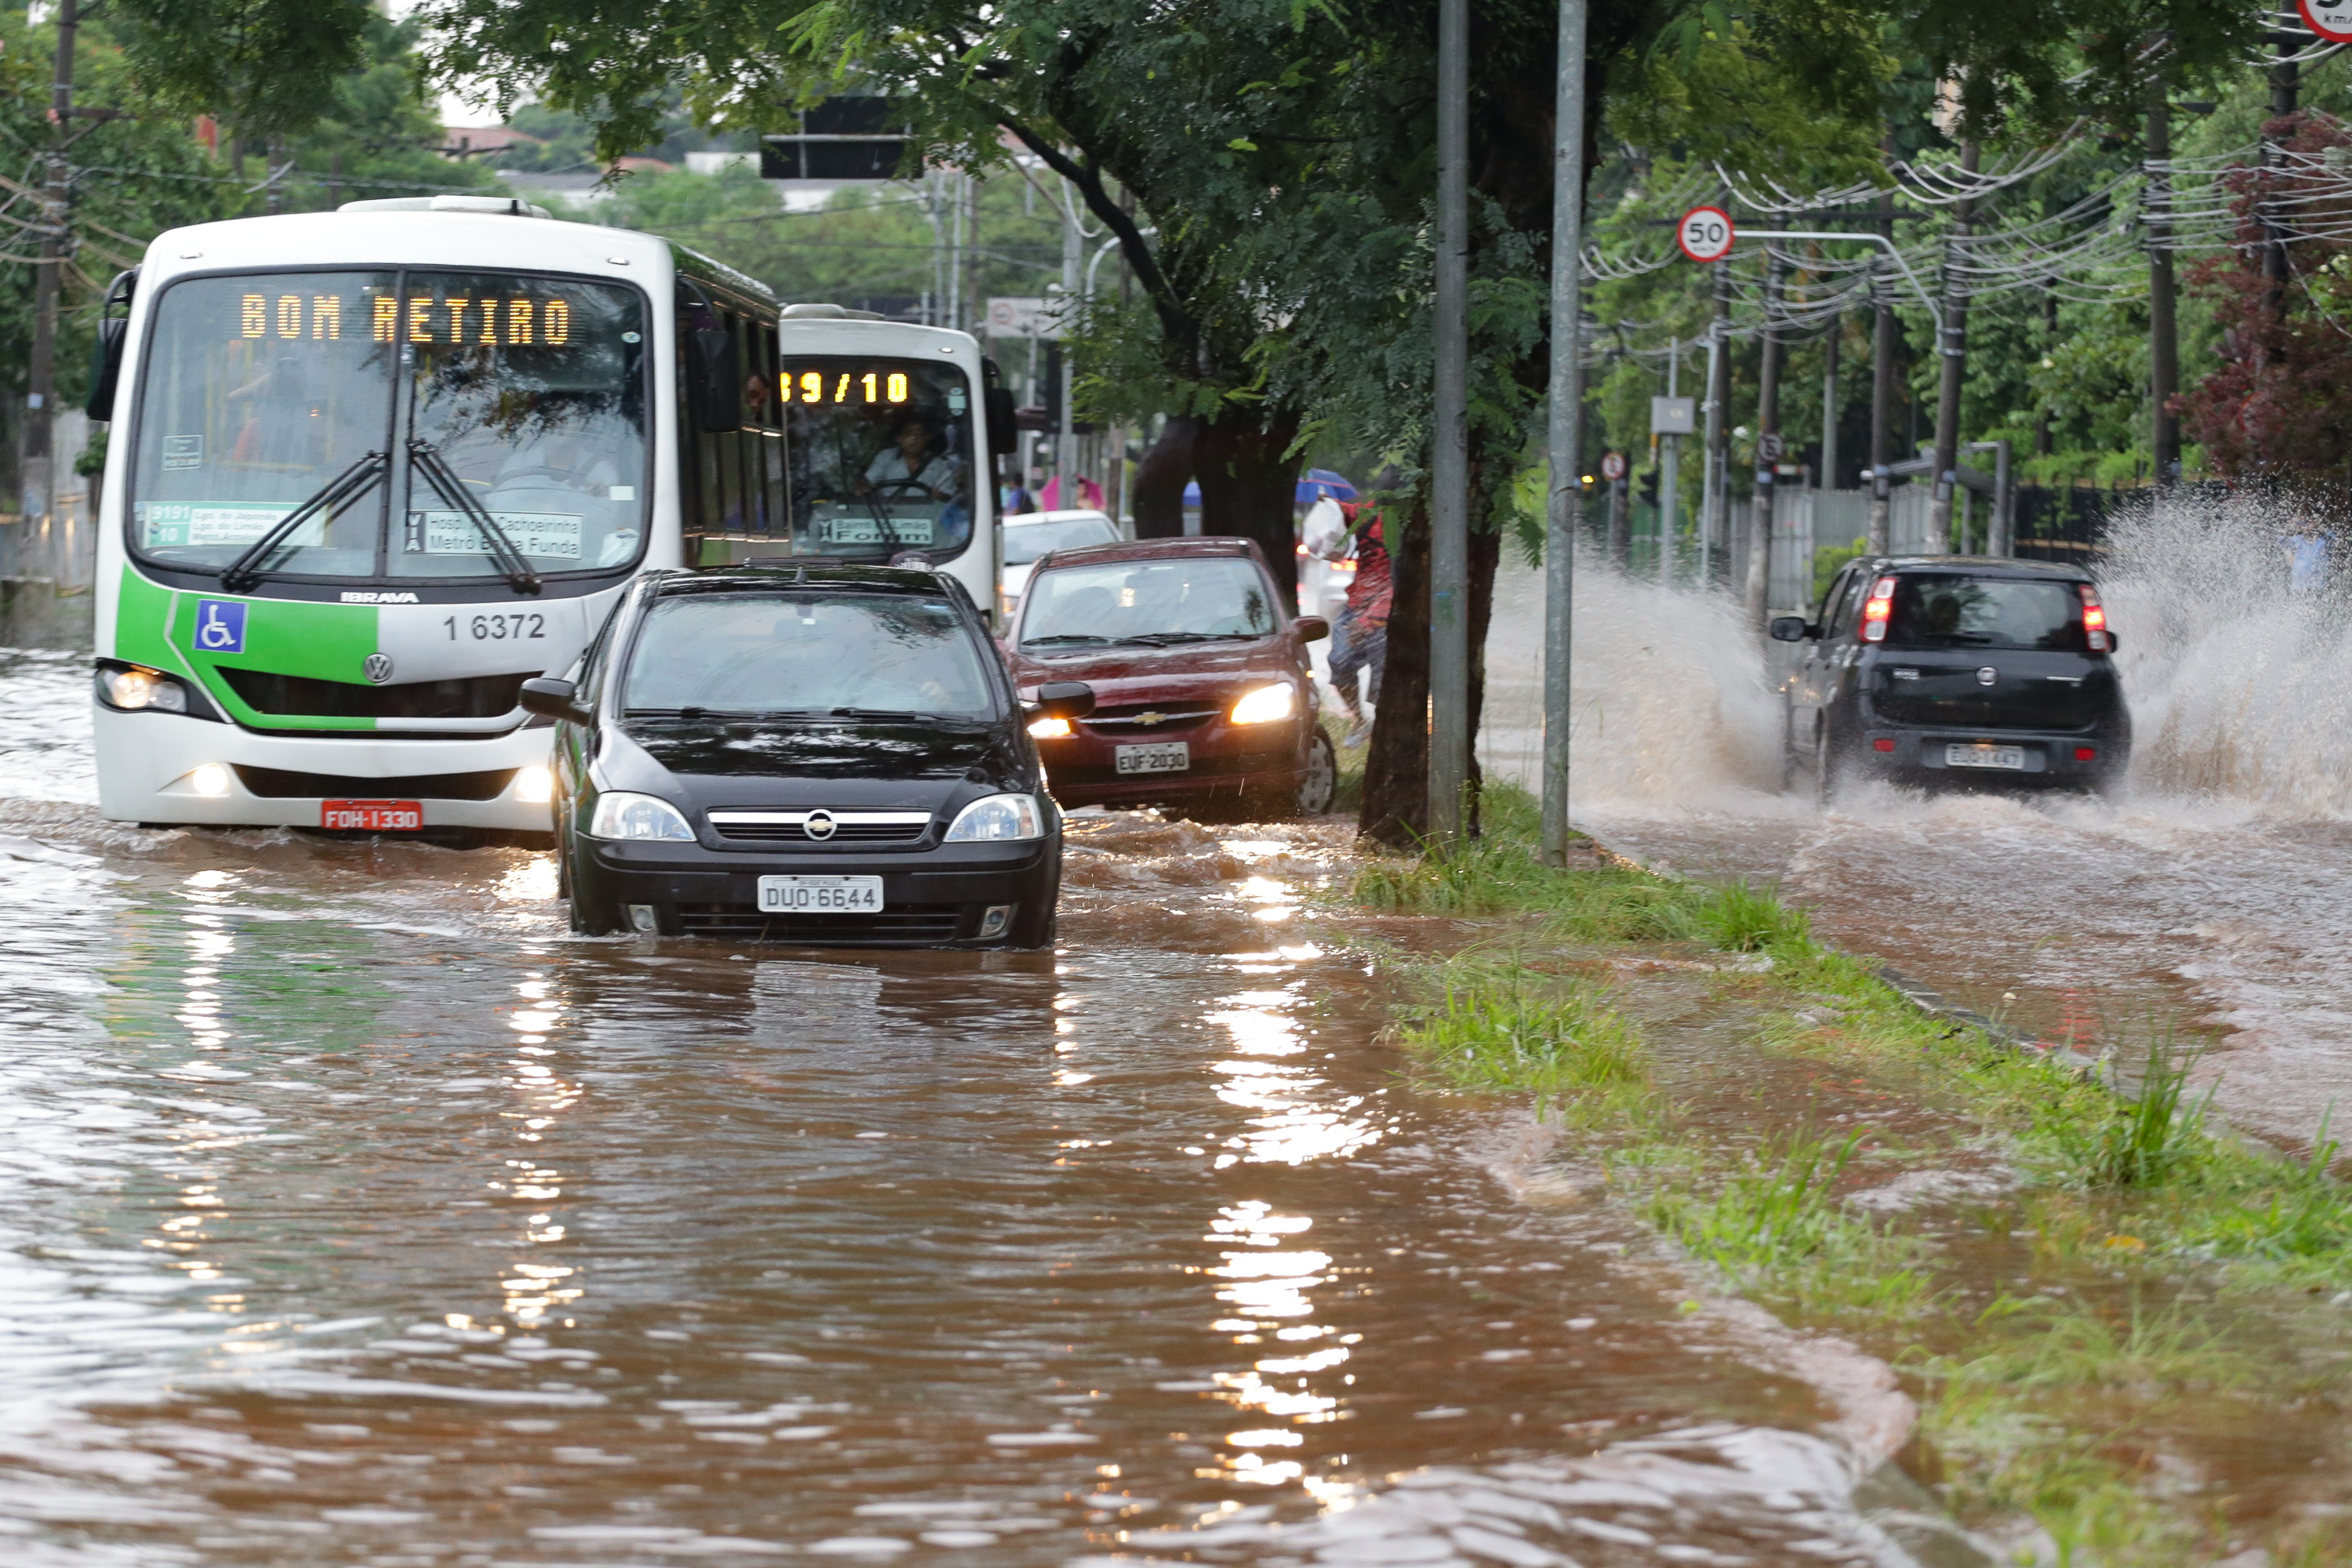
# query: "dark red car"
{"points": [[1204, 701]]}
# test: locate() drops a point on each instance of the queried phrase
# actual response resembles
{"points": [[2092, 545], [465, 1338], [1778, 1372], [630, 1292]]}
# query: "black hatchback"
{"points": [[825, 754], [1941, 668]]}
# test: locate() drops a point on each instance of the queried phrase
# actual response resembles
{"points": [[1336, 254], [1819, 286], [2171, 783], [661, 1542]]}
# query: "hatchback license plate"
{"points": [[2010, 757], [1159, 757], [371, 815], [820, 895]]}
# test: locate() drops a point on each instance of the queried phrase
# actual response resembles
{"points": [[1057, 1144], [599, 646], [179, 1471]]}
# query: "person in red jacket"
{"points": [[1359, 642]]}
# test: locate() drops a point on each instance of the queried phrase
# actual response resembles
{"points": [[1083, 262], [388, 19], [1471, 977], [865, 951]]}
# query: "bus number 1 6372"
{"points": [[498, 628]]}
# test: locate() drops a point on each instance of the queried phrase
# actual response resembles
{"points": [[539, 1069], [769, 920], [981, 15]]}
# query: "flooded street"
{"points": [[359, 1214]]}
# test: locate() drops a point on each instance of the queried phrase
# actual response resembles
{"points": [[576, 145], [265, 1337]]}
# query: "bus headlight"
{"points": [[534, 787], [1267, 704], [995, 818], [210, 779], [135, 690], [622, 814]]}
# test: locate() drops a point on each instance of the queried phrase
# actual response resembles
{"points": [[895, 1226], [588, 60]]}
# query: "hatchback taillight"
{"points": [[2094, 618], [1876, 609]]}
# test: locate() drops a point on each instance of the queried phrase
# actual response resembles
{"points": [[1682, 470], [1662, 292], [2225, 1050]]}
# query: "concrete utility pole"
{"points": [[2163, 334], [1564, 434], [1449, 543], [1065, 444], [41, 368], [1670, 465], [1714, 503], [2284, 88], [1830, 403], [1767, 454], [1954, 350], [1881, 379]]}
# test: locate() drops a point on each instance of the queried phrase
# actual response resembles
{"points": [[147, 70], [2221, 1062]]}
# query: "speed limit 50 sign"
{"points": [[1704, 234]]}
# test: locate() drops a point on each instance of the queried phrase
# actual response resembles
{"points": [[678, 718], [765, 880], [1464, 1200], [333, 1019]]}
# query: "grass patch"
{"points": [[2171, 1268]]}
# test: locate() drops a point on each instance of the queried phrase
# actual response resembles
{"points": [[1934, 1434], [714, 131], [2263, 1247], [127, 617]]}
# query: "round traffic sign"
{"points": [[1770, 447], [1612, 467], [2331, 19], [1705, 233]]}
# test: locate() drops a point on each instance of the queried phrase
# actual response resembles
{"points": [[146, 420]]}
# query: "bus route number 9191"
{"points": [[498, 628]]}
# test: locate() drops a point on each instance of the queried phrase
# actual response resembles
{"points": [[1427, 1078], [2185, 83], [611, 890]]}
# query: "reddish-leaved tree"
{"points": [[2281, 404]]}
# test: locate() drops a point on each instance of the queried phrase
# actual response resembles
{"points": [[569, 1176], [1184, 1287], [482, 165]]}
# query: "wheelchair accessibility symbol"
{"points": [[220, 625]]}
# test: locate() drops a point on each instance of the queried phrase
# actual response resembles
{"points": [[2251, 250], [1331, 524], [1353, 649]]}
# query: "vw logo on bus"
{"points": [[377, 667], [819, 824]]}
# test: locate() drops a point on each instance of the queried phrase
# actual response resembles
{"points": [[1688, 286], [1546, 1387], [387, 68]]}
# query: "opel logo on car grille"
{"points": [[377, 667], [820, 825], [1987, 675]]}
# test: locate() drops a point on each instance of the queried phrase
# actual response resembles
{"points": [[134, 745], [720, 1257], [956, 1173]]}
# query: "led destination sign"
{"points": [[456, 320], [834, 385]]}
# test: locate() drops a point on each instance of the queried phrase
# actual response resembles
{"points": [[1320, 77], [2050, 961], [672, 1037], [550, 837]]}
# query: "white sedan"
{"points": [[1030, 534]]}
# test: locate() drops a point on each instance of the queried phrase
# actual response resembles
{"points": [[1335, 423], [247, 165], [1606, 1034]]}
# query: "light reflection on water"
{"points": [[362, 1214]]}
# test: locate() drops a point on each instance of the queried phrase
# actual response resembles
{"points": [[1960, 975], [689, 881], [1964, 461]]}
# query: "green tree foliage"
{"points": [[266, 68]]}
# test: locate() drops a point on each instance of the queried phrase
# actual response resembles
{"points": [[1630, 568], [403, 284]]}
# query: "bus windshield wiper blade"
{"points": [[424, 457], [341, 490]]}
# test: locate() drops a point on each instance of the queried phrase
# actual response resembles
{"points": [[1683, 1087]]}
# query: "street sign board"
{"points": [[1704, 234], [2331, 19], [1612, 467], [1028, 317], [1770, 447], [1674, 416]]}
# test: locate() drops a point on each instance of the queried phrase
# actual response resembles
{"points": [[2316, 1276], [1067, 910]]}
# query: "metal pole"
{"points": [[1670, 500], [1563, 436], [40, 378], [1066, 447], [1767, 431], [1711, 472], [1954, 349], [1881, 382], [1830, 404], [2163, 334], [1449, 551]]}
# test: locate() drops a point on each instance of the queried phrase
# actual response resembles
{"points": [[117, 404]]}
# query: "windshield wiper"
{"points": [[1167, 639], [882, 713], [424, 459], [340, 491], [1062, 636]]}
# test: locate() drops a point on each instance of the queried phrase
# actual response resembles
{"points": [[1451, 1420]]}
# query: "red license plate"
{"points": [[371, 815]]}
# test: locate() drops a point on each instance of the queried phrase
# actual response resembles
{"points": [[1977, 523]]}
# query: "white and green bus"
{"points": [[373, 469]]}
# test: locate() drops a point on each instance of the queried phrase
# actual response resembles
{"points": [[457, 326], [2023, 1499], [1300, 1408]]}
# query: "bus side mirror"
{"points": [[1003, 439], [106, 368], [716, 381]]}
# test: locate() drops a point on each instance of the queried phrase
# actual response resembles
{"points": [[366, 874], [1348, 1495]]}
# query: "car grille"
{"points": [[472, 697], [1170, 719], [898, 925], [283, 783], [848, 826]]}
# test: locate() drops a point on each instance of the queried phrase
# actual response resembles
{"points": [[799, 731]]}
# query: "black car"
{"points": [[1947, 667], [821, 754]]}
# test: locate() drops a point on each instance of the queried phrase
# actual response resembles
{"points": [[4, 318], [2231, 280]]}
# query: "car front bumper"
{"points": [[1227, 762], [145, 760], [938, 896]]}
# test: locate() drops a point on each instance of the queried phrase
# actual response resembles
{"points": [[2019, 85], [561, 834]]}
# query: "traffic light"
{"points": [[1649, 487]]}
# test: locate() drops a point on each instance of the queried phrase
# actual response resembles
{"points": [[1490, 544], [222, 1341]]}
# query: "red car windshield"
{"points": [[1196, 598]]}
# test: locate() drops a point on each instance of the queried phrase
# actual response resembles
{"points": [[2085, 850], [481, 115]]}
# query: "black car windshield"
{"points": [[1183, 598], [1939, 609], [859, 656], [1026, 541]]}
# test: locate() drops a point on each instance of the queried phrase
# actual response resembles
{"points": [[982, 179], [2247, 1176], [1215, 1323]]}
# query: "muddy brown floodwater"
{"points": [[357, 1213]]}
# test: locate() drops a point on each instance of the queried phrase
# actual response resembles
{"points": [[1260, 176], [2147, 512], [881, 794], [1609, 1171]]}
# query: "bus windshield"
{"points": [[262, 390], [881, 455]]}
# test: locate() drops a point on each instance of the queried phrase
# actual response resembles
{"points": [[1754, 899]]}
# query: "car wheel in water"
{"points": [[1320, 785], [587, 920], [1829, 769], [1033, 926]]}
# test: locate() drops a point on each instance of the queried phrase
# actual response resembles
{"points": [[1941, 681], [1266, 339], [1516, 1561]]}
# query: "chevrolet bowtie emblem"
{"points": [[1151, 717]]}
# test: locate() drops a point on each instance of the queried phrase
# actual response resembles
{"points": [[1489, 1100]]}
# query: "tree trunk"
{"points": [[1249, 488], [1485, 560], [1161, 479], [1396, 764]]}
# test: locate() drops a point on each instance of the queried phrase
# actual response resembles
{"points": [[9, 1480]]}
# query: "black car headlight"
{"points": [[135, 688], [997, 820]]}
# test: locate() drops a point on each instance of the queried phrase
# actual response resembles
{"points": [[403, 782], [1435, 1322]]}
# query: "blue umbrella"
{"points": [[1318, 483]]}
